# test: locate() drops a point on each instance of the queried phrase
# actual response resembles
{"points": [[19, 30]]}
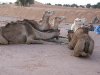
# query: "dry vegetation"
{"points": [[36, 11]]}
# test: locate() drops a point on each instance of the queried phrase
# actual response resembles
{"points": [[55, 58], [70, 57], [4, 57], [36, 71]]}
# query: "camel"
{"points": [[2, 39], [96, 20], [21, 32], [54, 26], [79, 23], [57, 21], [80, 42], [44, 23]]}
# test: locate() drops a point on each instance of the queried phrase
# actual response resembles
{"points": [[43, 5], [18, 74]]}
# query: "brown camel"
{"points": [[44, 24], [57, 21], [23, 32], [81, 42]]}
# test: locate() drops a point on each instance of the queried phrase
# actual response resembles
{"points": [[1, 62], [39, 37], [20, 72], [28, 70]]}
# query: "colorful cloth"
{"points": [[97, 30]]}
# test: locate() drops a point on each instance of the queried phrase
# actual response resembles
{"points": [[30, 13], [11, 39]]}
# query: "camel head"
{"points": [[60, 19], [49, 13], [78, 21], [84, 21], [81, 21]]}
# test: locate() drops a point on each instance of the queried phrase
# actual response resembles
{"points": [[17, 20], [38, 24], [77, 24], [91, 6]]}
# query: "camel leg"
{"points": [[3, 41], [91, 47], [79, 48], [72, 43], [30, 40], [35, 42]]}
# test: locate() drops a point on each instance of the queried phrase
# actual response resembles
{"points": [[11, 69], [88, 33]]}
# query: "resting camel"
{"points": [[57, 21], [79, 23], [54, 26], [80, 42], [22, 32], [44, 23]]}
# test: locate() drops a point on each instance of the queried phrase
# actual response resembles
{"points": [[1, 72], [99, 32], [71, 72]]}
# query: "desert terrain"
{"points": [[36, 12], [48, 58]]}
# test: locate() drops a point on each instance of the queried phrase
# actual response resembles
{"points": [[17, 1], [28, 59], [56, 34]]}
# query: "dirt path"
{"points": [[50, 59]]}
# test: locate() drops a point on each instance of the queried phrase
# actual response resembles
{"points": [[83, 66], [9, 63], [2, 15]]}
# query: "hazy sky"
{"points": [[79, 2]]}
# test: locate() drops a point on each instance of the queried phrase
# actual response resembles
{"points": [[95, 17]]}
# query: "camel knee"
{"points": [[70, 47], [76, 54], [3, 41], [30, 40]]}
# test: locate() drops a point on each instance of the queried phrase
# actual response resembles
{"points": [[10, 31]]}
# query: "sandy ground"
{"points": [[48, 59], [36, 12]]}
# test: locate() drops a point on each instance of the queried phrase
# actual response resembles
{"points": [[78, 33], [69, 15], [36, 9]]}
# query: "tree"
{"points": [[66, 5], [10, 3], [94, 6], [74, 5], [58, 4], [48, 3], [88, 5], [81, 6], [98, 5], [24, 2]]}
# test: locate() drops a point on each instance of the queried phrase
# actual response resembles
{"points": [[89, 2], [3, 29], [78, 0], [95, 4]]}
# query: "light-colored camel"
{"points": [[57, 21], [44, 23], [79, 22], [23, 32]]}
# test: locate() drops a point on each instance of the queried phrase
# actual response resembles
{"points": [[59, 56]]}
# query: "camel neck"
{"points": [[45, 19], [56, 23]]}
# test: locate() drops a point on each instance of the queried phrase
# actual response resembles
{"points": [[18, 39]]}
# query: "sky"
{"points": [[78, 2]]}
